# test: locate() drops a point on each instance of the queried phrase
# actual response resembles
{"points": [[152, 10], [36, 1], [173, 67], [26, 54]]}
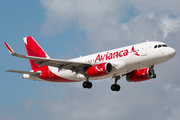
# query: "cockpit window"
{"points": [[164, 45], [159, 46]]}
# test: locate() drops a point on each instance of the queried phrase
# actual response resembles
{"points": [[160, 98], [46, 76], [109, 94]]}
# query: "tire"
{"points": [[89, 85], [113, 87], [154, 76], [85, 84], [118, 88]]}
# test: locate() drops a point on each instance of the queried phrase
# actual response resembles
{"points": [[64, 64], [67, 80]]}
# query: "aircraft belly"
{"points": [[68, 74]]}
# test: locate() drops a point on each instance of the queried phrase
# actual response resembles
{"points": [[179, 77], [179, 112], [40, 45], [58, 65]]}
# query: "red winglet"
{"points": [[9, 48]]}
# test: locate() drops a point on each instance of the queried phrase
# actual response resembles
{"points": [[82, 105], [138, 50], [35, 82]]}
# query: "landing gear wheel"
{"points": [[118, 87], [115, 87], [87, 84], [154, 76]]}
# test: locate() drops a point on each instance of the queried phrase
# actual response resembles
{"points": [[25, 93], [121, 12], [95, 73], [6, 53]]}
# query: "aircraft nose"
{"points": [[172, 52]]}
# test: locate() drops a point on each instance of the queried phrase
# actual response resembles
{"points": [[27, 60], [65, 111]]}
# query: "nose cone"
{"points": [[172, 52]]}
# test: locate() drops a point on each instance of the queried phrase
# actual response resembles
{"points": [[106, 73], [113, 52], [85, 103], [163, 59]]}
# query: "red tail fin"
{"points": [[33, 49]]}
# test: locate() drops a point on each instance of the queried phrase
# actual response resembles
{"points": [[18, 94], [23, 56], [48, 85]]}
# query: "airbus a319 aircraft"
{"points": [[136, 62]]}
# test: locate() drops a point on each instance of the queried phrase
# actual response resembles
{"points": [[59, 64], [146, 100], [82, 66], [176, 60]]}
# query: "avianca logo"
{"points": [[135, 53], [109, 56], [99, 70]]}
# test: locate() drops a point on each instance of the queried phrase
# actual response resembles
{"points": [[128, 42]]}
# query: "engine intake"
{"points": [[99, 70]]}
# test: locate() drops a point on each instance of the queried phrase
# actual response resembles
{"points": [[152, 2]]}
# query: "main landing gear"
{"points": [[87, 84], [115, 86]]}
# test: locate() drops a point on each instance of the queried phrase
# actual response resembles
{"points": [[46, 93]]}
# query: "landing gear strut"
{"points": [[115, 86], [87, 84]]}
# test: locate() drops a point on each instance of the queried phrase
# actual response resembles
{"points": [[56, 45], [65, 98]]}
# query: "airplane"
{"points": [[136, 62]]}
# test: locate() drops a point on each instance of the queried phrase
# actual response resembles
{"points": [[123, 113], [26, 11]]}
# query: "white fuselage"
{"points": [[124, 60]]}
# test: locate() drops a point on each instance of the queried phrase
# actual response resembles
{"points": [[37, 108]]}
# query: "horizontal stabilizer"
{"points": [[23, 72]]}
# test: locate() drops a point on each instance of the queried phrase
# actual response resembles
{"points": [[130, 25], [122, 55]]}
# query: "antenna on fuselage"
{"points": [[147, 41]]}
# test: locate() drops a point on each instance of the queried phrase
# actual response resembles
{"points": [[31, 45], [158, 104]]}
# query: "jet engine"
{"points": [[99, 70], [141, 75]]}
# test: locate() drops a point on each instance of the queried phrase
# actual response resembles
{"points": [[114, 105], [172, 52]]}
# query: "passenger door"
{"points": [[144, 49]]}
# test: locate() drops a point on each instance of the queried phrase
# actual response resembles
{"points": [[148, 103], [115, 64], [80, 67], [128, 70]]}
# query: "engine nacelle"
{"points": [[141, 75], [99, 70]]}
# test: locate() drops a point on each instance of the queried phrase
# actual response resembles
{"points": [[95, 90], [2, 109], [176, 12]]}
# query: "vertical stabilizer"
{"points": [[33, 49]]}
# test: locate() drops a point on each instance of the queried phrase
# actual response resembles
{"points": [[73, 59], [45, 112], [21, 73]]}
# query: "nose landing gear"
{"points": [[151, 72]]}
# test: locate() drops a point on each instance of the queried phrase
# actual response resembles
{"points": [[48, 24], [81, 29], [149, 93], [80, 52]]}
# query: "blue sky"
{"points": [[17, 20], [20, 19], [67, 29]]}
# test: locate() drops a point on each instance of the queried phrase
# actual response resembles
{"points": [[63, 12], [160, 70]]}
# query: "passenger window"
{"points": [[159, 46], [155, 46]]}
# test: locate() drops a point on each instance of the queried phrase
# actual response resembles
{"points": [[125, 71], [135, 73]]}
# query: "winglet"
{"points": [[9, 48]]}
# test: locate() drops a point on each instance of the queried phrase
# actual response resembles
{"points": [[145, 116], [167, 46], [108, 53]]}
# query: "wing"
{"points": [[75, 66]]}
